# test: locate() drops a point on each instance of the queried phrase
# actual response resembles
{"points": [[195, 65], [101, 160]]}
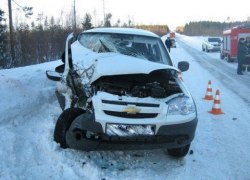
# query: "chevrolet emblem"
{"points": [[132, 110]]}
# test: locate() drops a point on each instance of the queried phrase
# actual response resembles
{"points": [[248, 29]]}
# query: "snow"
{"points": [[29, 111]]}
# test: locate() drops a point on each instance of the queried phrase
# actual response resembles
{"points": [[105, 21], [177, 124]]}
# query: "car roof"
{"points": [[132, 31]]}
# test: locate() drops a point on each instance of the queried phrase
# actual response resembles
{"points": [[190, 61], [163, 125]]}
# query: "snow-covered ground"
{"points": [[29, 110]]}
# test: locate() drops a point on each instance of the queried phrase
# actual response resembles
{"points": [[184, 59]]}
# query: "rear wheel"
{"points": [[222, 56], [63, 123], [229, 59], [179, 152]]}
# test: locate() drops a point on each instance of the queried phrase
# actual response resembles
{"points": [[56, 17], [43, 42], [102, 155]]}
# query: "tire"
{"points": [[229, 59], [63, 123], [179, 152], [222, 56]]}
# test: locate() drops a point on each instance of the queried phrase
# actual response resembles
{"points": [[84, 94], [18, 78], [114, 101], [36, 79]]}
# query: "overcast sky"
{"points": [[172, 13]]}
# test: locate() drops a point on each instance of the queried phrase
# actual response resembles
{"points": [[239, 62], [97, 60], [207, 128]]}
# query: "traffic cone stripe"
{"points": [[209, 95], [216, 101], [216, 106]]}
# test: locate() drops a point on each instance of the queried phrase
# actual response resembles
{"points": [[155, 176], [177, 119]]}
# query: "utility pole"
{"points": [[11, 33], [103, 13], [74, 15]]}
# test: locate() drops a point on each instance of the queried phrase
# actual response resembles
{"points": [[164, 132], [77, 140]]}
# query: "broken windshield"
{"points": [[144, 47]]}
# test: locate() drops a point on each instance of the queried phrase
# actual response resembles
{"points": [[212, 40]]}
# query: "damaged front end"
{"points": [[121, 101], [135, 111]]}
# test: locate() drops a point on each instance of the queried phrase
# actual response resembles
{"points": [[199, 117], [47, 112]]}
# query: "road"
{"points": [[220, 69]]}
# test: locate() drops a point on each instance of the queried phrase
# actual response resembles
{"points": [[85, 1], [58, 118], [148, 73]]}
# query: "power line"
{"points": [[27, 10], [17, 4]]}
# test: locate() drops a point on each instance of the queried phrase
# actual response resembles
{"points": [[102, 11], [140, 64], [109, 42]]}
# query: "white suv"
{"points": [[119, 90], [211, 44]]}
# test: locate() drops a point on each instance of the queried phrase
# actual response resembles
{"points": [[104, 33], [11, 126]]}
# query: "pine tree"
{"points": [[86, 24], [3, 41]]}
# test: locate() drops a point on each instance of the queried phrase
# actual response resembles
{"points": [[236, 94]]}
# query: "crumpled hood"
{"points": [[118, 64], [107, 64]]}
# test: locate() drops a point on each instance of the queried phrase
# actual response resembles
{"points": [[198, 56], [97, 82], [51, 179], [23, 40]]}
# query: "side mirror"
{"points": [[54, 76], [183, 66]]}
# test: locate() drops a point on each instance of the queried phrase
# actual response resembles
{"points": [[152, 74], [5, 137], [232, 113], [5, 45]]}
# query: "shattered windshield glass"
{"points": [[144, 47]]}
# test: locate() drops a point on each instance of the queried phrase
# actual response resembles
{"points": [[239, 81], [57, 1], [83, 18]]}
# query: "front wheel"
{"points": [[179, 152], [63, 123]]}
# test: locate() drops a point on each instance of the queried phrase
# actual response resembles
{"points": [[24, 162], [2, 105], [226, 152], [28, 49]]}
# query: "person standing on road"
{"points": [[168, 43], [241, 55], [247, 42]]}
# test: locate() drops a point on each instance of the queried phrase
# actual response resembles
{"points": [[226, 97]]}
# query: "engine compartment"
{"points": [[137, 85], [157, 84]]}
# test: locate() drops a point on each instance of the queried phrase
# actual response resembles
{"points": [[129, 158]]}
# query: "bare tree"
{"points": [[107, 22]]}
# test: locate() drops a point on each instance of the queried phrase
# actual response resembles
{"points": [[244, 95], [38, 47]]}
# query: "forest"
{"points": [[43, 39], [207, 28]]}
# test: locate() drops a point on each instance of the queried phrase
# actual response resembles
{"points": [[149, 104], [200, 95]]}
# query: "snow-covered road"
{"points": [[220, 69], [29, 110]]}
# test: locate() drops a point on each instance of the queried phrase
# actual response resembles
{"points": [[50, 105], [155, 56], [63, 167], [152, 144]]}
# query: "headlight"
{"points": [[181, 105]]}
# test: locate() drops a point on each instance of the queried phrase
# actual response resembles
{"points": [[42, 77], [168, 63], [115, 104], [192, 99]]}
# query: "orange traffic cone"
{"points": [[216, 107], [209, 95]]}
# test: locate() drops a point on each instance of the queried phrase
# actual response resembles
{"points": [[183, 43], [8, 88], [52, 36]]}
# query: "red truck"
{"points": [[230, 41]]}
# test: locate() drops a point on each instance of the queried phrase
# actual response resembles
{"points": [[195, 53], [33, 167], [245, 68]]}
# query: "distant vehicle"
{"points": [[211, 44], [172, 35], [230, 41], [173, 43], [118, 89]]}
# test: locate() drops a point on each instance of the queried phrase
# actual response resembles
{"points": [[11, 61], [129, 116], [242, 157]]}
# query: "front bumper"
{"points": [[90, 136], [214, 48]]}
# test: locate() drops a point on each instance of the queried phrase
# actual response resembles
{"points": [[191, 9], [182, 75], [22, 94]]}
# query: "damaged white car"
{"points": [[119, 90]]}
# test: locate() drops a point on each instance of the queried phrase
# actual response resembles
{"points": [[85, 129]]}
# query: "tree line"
{"points": [[206, 28], [44, 39], [157, 29]]}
